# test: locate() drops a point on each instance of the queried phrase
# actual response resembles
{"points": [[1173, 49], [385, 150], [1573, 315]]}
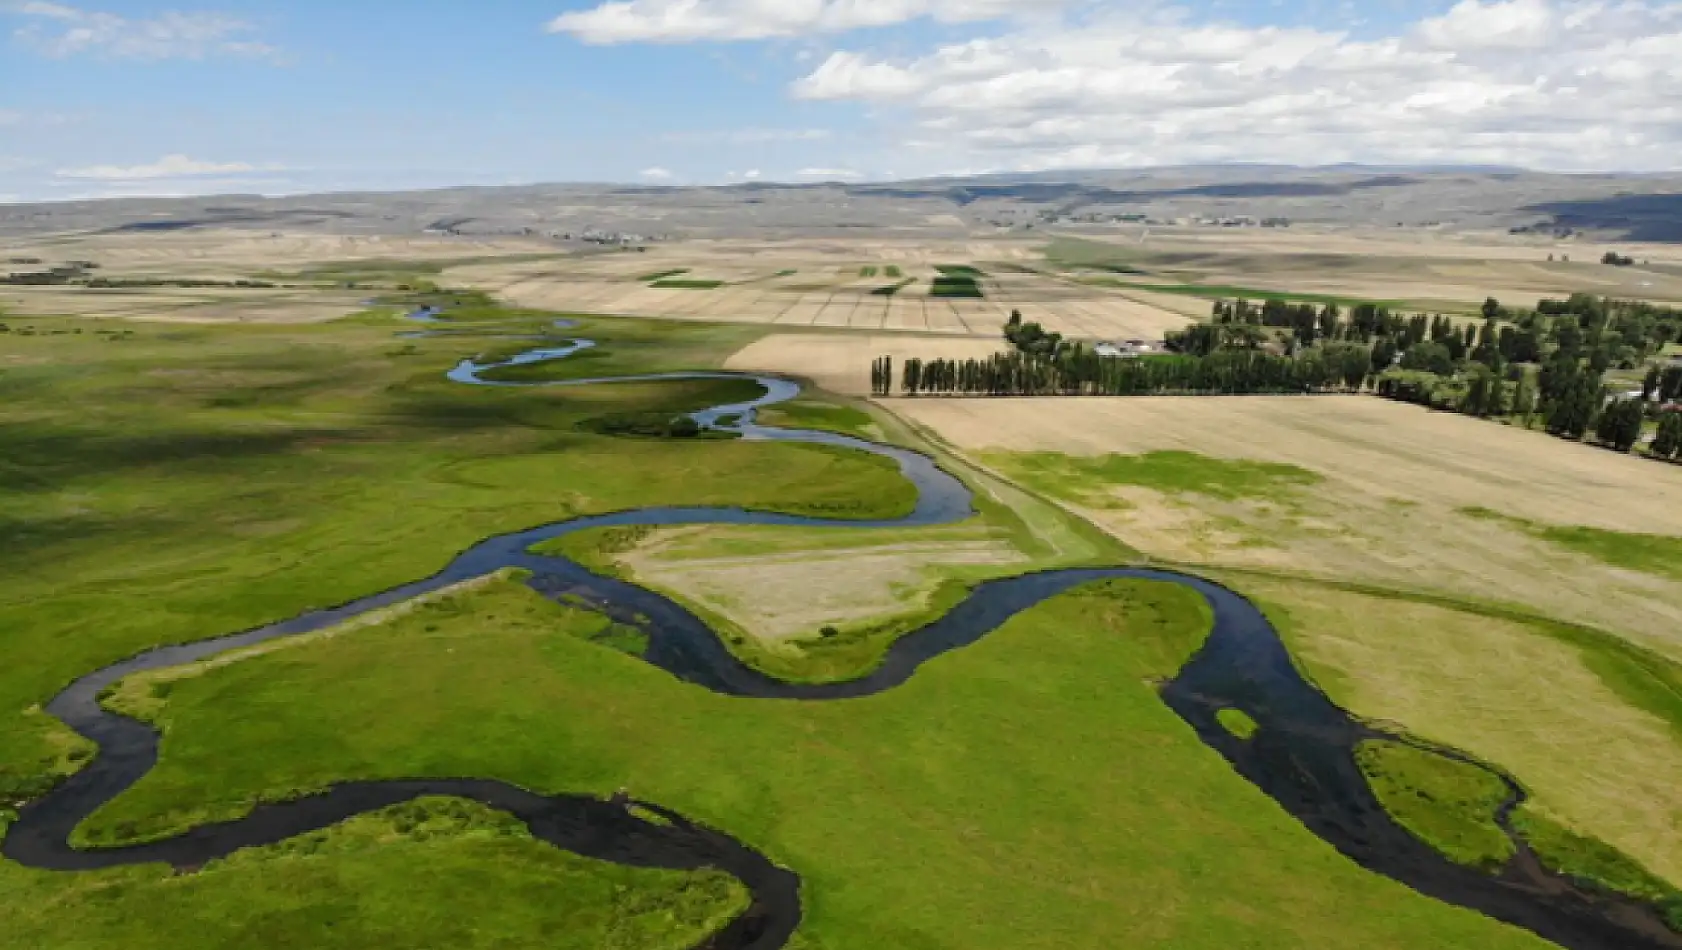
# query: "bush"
{"points": [[645, 425]]}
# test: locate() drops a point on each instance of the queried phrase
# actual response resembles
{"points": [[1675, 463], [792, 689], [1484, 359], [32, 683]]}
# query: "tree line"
{"points": [[1077, 371], [1545, 365]]}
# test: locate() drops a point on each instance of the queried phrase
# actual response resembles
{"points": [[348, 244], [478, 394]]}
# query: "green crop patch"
{"points": [[662, 275], [955, 287], [679, 283]]}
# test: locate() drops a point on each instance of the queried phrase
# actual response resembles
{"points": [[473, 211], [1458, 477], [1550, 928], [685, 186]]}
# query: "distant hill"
{"points": [[1635, 207]]}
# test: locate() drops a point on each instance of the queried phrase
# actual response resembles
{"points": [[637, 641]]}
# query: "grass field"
{"points": [[184, 482], [1061, 849], [1449, 805], [435, 871], [809, 413]]}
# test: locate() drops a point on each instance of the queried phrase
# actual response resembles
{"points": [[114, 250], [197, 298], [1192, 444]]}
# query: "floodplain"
{"points": [[190, 462]]}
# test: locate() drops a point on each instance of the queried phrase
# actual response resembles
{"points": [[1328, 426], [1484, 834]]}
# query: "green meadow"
{"points": [[1112, 825], [185, 482]]}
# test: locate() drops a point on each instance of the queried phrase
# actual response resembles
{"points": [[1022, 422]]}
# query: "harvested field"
{"points": [[197, 305], [1419, 269], [1390, 508], [841, 362], [820, 284], [210, 253]]}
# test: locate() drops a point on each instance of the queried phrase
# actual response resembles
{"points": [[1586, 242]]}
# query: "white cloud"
{"points": [[657, 174], [751, 174], [170, 166], [60, 31], [829, 174], [10, 117], [1472, 24], [1559, 84], [679, 21]]}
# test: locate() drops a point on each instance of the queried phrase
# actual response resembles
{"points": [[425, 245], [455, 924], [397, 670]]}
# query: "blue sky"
{"points": [[136, 97]]}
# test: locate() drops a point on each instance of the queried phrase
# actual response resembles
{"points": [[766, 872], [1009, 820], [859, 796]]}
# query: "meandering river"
{"points": [[1302, 756]]}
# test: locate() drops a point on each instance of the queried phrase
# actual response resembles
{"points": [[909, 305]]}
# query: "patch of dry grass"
{"points": [[1505, 693], [1388, 507], [778, 583]]}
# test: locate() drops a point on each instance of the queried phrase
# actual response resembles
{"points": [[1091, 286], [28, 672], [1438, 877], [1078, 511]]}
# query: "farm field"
{"points": [[1096, 286], [822, 293], [1392, 494], [1418, 271]]}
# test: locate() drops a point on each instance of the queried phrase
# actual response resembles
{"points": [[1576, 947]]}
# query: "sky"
{"points": [[129, 97]]}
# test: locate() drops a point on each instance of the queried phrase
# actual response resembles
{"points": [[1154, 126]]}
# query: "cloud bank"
{"points": [[677, 21], [170, 166], [1552, 84]]}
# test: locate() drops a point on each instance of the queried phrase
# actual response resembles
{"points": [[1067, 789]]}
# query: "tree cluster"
{"points": [[882, 376], [1667, 443], [1031, 338]]}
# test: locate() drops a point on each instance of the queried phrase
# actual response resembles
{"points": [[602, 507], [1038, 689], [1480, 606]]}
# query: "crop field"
{"points": [[922, 294], [1390, 493], [1448, 274]]}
